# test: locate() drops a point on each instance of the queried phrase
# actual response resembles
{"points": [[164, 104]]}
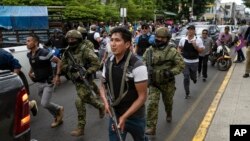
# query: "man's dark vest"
{"points": [[42, 67], [117, 71], [189, 52], [143, 44], [90, 36]]}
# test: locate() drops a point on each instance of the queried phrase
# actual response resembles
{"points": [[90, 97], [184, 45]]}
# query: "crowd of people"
{"points": [[137, 65]]}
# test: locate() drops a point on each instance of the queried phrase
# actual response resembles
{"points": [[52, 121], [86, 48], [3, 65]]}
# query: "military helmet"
{"points": [[162, 32], [73, 34], [82, 29]]}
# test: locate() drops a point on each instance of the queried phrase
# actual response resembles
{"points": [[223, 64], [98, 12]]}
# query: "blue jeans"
{"points": [[134, 126]]}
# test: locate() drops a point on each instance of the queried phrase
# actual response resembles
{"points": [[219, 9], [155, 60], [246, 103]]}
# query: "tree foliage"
{"points": [[95, 10], [247, 3]]}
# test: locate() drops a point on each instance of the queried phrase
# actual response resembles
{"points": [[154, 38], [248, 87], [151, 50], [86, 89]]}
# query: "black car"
{"points": [[213, 32]]}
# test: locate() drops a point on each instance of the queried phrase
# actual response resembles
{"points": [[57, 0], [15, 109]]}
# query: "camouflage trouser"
{"points": [[167, 91], [85, 96]]}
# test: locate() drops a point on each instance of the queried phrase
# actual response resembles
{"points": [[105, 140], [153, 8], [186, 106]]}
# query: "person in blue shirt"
{"points": [[144, 41], [8, 62]]}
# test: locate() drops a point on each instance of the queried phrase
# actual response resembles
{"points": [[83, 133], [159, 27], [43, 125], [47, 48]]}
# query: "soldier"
{"points": [[166, 63], [86, 58], [89, 45]]}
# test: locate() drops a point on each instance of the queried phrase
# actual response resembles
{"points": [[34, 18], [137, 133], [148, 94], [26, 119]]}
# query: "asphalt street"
{"points": [[187, 113]]}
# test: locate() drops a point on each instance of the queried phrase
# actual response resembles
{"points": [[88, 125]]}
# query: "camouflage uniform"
{"points": [[83, 55], [166, 58]]}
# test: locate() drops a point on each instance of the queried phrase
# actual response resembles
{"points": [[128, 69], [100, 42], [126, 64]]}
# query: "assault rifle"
{"points": [[113, 115], [81, 71], [149, 65]]}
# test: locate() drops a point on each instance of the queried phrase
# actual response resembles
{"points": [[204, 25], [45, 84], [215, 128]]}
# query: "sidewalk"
{"points": [[234, 106]]}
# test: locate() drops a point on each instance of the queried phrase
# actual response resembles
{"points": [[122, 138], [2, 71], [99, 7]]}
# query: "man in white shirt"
{"points": [[190, 47]]}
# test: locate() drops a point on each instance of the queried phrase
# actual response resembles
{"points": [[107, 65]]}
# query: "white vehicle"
{"points": [[20, 53]]}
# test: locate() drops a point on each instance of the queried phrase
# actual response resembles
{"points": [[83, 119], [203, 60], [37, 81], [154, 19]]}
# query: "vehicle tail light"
{"points": [[22, 115]]}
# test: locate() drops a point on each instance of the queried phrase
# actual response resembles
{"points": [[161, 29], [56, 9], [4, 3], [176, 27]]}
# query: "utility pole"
{"points": [[192, 9]]}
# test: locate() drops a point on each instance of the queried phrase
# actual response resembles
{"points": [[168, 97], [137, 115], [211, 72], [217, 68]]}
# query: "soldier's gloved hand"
{"points": [[72, 69], [168, 74]]}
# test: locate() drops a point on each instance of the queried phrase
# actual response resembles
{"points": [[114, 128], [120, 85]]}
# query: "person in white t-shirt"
{"points": [[190, 47]]}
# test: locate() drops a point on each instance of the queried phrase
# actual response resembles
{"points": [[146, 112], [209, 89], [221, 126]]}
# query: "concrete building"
{"points": [[211, 11]]}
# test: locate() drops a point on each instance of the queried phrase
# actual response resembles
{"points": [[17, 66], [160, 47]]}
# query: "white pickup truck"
{"points": [[20, 53]]}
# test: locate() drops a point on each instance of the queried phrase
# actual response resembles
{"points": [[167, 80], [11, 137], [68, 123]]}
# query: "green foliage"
{"points": [[91, 10], [247, 3]]}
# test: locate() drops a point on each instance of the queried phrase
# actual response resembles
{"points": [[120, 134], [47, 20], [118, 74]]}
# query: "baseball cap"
{"points": [[191, 27]]}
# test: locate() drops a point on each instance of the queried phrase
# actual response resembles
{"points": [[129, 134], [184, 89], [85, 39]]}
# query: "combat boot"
{"points": [[59, 118], [56, 123], [150, 131], [77, 132], [60, 114], [169, 117]]}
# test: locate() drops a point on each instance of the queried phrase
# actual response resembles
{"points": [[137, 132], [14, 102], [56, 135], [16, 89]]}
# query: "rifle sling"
{"points": [[121, 94]]}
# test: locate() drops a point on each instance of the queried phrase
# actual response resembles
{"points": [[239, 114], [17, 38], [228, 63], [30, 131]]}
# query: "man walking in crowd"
{"points": [[143, 41], [84, 57], [203, 56], [166, 63], [41, 72], [125, 78], [8, 62], [241, 34], [190, 47], [94, 36], [247, 39]]}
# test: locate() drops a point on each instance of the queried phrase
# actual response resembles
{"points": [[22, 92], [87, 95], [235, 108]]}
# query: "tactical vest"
{"points": [[41, 66], [189, 52], [143, 44], [161, 62], [131, 95], [90, 36], [80, 57]]}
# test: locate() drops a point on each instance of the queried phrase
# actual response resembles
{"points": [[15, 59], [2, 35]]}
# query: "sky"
{"points": [[236, 1]]}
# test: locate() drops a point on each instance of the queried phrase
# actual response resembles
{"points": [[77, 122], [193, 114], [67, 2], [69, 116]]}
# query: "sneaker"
{"points": [[102, 112], [150, 131], [77, 132], [237, 61], [187, 96], [245, 75], [194, 80], [33, 107]]}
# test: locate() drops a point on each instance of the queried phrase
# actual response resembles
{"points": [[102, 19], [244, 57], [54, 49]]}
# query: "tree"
{"points": [[247, 3], [90, 10]]}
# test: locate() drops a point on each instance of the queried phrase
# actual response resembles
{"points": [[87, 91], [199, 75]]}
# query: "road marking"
{"points": [[203, 128], [190, 110]]}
